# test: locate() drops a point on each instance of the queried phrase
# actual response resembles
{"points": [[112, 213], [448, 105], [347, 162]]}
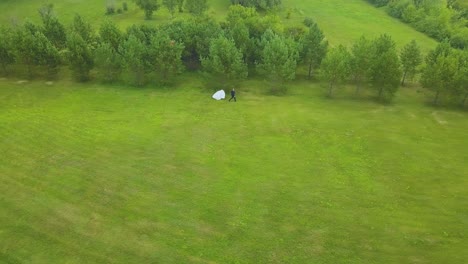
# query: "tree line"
{"points": [[245, 44], [440, 19]]}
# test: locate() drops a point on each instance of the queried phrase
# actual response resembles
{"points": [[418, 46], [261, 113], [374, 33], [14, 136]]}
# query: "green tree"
{"points": [[149, 6], [165, 57], [83, 28], [336, 67], [440, 76], [133, 52], [80, 57], [196, 7], [411, 58], [7, 48], [240, 34], [225, 60], [53, 29], [171, 5], [46, 54], [314, 48], [278, 58], [26, 46], [111, 34], [109, 63], [462, 78], [180, 5], [385, 73], [361, 61]]}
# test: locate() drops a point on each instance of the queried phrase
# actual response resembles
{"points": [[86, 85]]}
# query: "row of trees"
{"points": [[196, 7], [245, 44], [376, 64], [440, 19]]}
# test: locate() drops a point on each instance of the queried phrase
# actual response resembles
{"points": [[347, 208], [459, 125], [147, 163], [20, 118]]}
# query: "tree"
{"points": [[196, 7], [133, 53], [53, 29], [225, 60], [410, 59], [278, 59], [26, 46], [111, 34], [314, 48], [46, 54], [180, 5], [361, 61], [336, 67], [80, 57], [7, 48], [149, 6], [165, 57], [462, 78], [171, 5], [440, 76], [83, 28], [385, 73], [109, 62], [239, 33]]}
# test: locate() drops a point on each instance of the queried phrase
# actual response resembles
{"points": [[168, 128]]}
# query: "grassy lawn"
{"points": [[343, 22], [97, 174]]}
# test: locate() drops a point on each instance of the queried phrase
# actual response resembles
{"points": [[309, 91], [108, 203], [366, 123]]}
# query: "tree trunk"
{"points": [[464, 100], [380, 92], [5, 70], [330, 89], [436, 99], [310, 70], [403, 79], [358, 87]]}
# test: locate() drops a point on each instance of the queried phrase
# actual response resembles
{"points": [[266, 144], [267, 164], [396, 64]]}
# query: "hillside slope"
{"points": [[342, 21]]}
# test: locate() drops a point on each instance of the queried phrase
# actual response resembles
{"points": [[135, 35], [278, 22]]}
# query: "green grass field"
{"points": [[91, 173], [98, 174]]}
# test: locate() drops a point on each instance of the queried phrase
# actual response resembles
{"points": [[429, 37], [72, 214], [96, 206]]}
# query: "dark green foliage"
{"points": [[171, 5], [259, 4], [26, 46], [196, 7], [361, 62], [461, 88], [52, 28], [385, 73], [410, 58], [125, 6], [336, 67], [109, 62], [224, 61], [111, 34], [134, 56], [439, 71], [149, 6], [80, 57], [143, 33], [278, 59], [314, 48], [196, 35], [83, 28], [180, 5], [46, 54], [165, 57], [7, 48]]}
